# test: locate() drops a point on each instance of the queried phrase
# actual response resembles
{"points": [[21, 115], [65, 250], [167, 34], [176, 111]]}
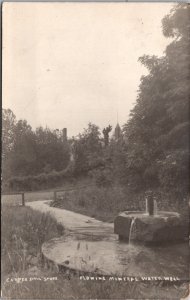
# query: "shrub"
{"points": [[40, 181], [102, 177]]}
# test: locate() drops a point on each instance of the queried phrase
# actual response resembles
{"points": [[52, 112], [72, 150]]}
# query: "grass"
{"points": [[105, 203], [99, 202], [23, 233]]}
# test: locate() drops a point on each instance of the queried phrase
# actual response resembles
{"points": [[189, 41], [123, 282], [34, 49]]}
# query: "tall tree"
{"points": [[106, 132], [8, 127], [158, 129], [52, 151], [23, 156], [87, 150]]}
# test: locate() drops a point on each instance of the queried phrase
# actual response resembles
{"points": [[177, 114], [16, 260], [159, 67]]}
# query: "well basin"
{"points": [[162, 227]]}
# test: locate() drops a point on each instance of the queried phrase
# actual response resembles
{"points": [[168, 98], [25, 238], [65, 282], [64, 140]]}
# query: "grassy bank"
{"points": [[23, 233], [104, 203], [99, 202]]}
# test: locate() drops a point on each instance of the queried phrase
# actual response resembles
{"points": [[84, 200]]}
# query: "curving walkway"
{"points": [[74, 222]]}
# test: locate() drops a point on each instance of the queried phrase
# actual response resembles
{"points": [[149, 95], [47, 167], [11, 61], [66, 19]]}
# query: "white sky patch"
{"points": [[68, 64]]}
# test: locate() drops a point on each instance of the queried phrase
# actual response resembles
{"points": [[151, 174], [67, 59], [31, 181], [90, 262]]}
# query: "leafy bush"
{"points": [[40, 181], [102, 177]]}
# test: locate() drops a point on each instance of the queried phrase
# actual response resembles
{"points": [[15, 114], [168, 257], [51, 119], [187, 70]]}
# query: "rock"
{"points": [[164, 227], [159, 229]]}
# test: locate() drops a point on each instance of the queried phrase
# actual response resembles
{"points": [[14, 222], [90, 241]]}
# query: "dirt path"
{"points": [[72, 221]]}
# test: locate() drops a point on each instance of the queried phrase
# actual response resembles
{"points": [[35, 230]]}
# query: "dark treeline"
{"points": [[150, 152], [27, 153]]}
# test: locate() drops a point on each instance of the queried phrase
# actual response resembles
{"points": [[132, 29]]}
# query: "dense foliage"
{"points": [[158, 130], [28, 156]]}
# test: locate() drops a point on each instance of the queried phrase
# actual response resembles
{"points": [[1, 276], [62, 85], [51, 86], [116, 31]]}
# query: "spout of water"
{"points": [[131, 229]]}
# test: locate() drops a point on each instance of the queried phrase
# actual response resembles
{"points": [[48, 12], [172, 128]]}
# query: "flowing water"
{"points": [[131, 229]]}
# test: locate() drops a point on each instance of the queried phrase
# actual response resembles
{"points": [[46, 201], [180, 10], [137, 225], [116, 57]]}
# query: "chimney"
{"points": [[64, 134]]}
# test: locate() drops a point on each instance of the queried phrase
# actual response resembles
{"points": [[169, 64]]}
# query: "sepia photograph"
{"points": [[95, 151]]}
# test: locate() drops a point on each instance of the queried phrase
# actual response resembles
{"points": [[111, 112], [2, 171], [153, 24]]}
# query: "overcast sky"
{"points": [[68, 64]]}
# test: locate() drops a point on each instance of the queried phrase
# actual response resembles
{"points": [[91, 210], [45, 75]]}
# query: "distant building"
{"points": [[64, 134], [70, 143]]}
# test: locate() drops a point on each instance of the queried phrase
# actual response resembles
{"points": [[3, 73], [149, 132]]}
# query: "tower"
{"points": [[117, 132], [64, 135]]}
